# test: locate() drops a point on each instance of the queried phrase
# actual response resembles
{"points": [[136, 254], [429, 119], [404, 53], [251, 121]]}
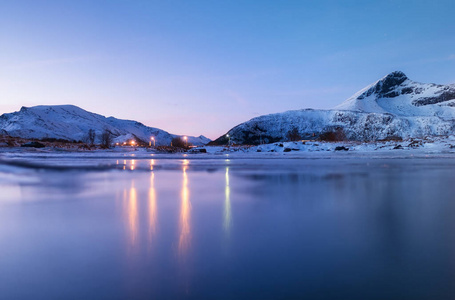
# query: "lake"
{"points": [[227, 228]]}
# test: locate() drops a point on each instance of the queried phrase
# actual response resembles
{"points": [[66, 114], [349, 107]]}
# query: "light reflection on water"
{"points": [[132, 210], [227, 205], [185, 214], [152, 210], [288, 229]]}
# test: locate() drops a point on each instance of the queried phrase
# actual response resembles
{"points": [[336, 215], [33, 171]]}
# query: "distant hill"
{"points": [[392, 107], [72, 123]]}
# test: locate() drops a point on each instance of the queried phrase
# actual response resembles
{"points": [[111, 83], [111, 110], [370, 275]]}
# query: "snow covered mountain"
{"points": [[398, 95], [70, 122], [392, 107]]}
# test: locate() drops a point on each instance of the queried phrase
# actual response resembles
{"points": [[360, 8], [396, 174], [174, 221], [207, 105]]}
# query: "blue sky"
{"points": [[202, 67]]}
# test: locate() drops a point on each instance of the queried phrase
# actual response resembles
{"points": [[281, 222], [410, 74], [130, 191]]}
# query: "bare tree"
{"points": [[293, 135], [89, 138], [106, 138], [179, 142], [333, 136]]}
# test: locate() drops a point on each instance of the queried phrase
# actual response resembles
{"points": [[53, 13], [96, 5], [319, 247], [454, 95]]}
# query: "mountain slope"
{"points": [[392, 107], [70, 122]]}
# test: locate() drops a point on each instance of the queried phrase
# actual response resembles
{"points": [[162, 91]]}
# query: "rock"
{"points": [[198, 150], [33, 145], [398, 147], [414, 144], [341, 148], [287, 150]]}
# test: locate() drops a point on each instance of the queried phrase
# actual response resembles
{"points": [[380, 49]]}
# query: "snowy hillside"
{"points": [[70, 122], [392, 107]]}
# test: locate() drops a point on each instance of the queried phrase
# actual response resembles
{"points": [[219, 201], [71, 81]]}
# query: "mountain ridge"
{"points": [[71, 122]]}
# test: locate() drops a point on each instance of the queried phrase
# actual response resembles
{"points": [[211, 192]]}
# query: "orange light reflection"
{"points": [[133, 215], [185, 210], [152, 209]]}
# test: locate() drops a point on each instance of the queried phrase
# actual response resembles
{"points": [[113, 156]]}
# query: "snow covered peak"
{"points": [[397, 94], [386, 87]]}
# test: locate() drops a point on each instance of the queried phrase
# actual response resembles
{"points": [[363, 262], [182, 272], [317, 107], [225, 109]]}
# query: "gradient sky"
{"points": [[202, 67]]}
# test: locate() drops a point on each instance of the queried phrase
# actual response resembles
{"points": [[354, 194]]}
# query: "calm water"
{"points": [[229, 229]]}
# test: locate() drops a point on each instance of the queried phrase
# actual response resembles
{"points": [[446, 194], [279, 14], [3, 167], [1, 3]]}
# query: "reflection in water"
{"points": [[152, 163], [227, 204], [152, 209], [133, 164], [185, 208], [132, 213], [10, 192]]}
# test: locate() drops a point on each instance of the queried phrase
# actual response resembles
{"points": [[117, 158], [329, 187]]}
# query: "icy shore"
{"points": [[426, 146]]}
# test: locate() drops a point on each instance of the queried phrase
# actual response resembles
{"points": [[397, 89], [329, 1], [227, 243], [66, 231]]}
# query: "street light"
{"points": [[152, 139], [186, 140], [229, 139], [132, 143]]}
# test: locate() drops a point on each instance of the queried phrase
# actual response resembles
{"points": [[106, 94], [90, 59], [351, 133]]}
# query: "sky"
{"points": [[204, 66]]}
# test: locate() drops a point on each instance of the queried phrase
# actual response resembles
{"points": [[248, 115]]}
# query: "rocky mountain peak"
{"points": [[385, 87]]}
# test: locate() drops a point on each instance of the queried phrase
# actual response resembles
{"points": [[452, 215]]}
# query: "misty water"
{"points": [[184, 228]]}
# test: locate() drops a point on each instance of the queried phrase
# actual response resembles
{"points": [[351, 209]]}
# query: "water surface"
{"points": [[278, 228]]}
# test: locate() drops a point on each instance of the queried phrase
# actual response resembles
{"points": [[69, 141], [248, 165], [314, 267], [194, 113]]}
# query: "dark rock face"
{"points": [[385, 87], [200, 150], [33, 145], [447, 95], [341, 148]]}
